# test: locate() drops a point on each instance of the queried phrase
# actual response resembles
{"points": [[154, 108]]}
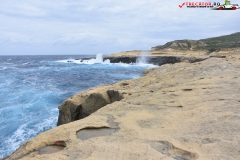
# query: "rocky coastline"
{"points": [[81, 106], [188, 108], [185, 109], [155, 60]]}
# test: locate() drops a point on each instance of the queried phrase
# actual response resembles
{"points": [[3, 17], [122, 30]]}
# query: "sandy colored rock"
{"points": [[178, 52], [83, 104], [176, 111]]}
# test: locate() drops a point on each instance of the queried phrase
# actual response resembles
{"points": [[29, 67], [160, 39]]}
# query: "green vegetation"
{"points": [[212, 49], [210, 44], [228, 41]]}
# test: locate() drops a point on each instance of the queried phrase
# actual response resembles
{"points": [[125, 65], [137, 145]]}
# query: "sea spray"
{"points": [[143, 58], [97, 60]]}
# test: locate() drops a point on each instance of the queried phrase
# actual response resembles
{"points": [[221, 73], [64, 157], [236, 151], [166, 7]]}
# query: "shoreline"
{"points": [[141, 108], [75, 108]]}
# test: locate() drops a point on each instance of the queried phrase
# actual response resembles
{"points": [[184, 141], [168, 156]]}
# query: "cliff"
{"points": [[178, 111]]}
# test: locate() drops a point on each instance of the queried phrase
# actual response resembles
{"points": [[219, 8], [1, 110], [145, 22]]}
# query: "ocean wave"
{"points": [[29, 91], [25, 132], [3, 68], [26, 63], [99, 60], [7, 63]]}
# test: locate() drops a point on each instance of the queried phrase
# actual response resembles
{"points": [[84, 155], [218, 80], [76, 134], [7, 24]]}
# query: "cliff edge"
{"points": [[182, 111]]}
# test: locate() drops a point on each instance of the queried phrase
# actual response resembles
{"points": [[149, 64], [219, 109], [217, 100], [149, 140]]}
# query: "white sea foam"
{"points": [[28, 94], [18, 137], [97, 60], [8, 63], [26, 63], [69, 61], [24, 133], [143, 58], [141, 61], [3, 68]]}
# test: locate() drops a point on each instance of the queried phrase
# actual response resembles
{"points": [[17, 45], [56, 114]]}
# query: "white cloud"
{"points": [[107, 25]]}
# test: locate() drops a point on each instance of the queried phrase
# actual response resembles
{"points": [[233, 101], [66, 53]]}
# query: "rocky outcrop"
{"points": [[83, 104], [187, 111], [123, 59], [156, 60], [160, 60]]}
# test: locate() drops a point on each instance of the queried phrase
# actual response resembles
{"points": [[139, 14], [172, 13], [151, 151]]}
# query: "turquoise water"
{"points": [[32, 88]]}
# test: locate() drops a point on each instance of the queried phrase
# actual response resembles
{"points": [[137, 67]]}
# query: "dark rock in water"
{"points": [[84, 59], [121, 59], [156, 60]]}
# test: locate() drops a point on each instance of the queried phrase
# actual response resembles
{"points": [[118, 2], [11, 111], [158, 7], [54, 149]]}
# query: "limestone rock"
{"points": [[94, 102], [114, 95], [83, 104], [187, 111]]}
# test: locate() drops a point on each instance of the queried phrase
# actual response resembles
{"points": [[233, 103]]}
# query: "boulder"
{"points": [[86, 103]]}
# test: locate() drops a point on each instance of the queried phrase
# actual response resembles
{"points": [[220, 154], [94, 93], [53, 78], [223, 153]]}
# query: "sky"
{"points": [[69, 27]]}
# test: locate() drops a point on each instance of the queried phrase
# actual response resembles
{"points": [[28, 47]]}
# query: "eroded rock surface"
{"points": [[88, 133], [176, 111], [83, 104]]}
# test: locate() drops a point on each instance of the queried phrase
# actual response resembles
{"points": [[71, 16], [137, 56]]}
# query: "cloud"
{"points": [[107, 25]]}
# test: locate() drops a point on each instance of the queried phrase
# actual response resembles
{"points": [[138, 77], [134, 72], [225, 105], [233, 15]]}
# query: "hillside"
{"points": [[210, 44]]}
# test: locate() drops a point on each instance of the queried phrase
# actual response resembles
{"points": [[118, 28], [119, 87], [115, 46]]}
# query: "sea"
{"points": [[32, 88]]}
